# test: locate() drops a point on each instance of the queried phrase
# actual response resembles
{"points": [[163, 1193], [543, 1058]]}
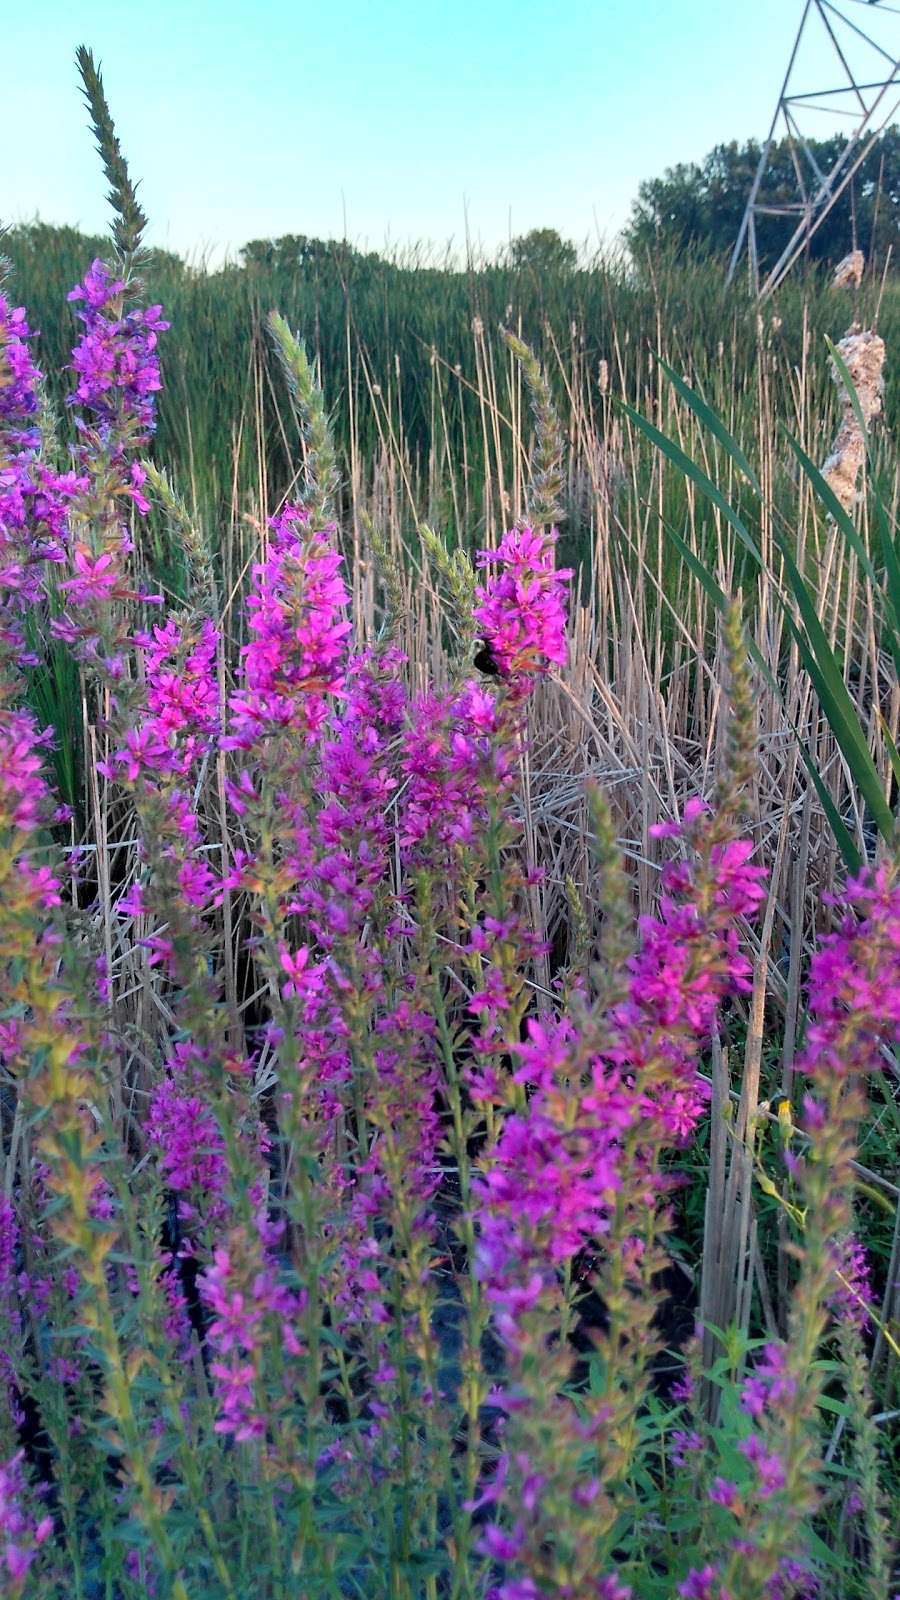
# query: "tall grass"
{"points": [[434, 429], [432, 426], [424, 338]]}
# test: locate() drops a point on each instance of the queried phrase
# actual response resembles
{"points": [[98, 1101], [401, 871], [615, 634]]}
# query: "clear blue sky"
{"points": [[387, 119]]}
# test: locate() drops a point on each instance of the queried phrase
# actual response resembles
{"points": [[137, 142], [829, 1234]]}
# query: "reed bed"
{"points": [[695, 533]]}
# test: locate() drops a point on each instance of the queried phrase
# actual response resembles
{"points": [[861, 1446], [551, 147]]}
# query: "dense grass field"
{"points": [[409, 357], [436, 1162]]}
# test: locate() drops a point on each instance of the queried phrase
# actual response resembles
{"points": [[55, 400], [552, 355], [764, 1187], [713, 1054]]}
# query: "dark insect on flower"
{"points": [[485, 660]]}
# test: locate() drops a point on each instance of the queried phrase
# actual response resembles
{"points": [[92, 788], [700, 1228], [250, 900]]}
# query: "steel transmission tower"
{"points": [[861, 39]]}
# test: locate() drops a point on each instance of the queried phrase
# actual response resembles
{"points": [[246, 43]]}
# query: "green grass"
{"points": [[406, 329]]}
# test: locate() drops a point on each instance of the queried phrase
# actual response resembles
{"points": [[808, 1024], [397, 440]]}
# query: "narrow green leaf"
{"points": [[892, 750], [713, 422], [689, 467], [891, 564], [852, 857], [817, 655], [843, 837], [838, 1408], [834, 697], [844, 374], [889, 556], [832, 504]]}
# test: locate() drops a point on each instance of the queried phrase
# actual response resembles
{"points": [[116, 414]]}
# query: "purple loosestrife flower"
{"points": [[354, 834], [21, 1535], [689, 958], [96, 577], [179, 717], [34, 500], [792, 1581], [854, 980], [445, 754], [853, 1294], [24, 795], [338, 836], [10, 1315], [97, 287], [176, 1321], [724, 1493], [9, 1239], [406, 1095], [770, 1382], [685, 1445], [140, 1571], [358, 1295], [174, 726], [115, 361], [182, 692], [117, 376], [19, 378], [242, 1292], [854, 1006], [770, 1469], [295, 657], [338, 853], [521, 610], [188, 1141], [702, 1583], [553, 1175], [608, 1097], [25, 806]]}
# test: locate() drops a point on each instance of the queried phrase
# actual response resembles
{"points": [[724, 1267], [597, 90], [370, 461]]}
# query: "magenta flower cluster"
{"points": [[34, 499], [241, 1291], [370, 1052], [521, 610], [295, 617], [18, 391], [180, 723], [191, 1151], [21, 1534], [855, 975], [555, 1171], [115, 362]]}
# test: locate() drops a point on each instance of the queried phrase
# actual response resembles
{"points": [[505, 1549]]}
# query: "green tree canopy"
{"points": [[295, 252], [36, 247], [542, 250], [699, 206]]}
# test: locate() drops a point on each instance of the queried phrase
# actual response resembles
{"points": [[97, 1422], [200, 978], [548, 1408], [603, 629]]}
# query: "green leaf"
{"points": [[845, 523], [838, 1408], [713, 422], [850, 853], [891, 565], [701, 573], [892, 750], [597, 1375], [852, 857], [822, 1551], [691, 470], [850, 386], [834, 696], [816, 653]]}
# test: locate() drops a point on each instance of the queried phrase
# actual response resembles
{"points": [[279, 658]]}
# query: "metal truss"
{"points": [[866, 89]]}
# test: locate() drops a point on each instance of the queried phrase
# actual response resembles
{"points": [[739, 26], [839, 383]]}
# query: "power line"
{"points": [[871, 97]]}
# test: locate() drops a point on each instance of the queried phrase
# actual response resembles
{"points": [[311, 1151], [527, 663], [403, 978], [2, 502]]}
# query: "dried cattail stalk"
{"points": [[849, 271], [863, 352]]}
